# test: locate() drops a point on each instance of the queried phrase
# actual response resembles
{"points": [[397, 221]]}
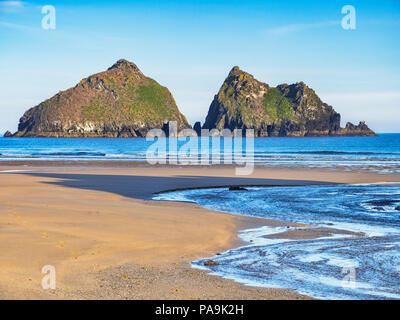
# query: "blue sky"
{"points": [[190, 46]]}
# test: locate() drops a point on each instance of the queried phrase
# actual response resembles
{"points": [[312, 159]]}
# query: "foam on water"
{"points": [[316, 267]]}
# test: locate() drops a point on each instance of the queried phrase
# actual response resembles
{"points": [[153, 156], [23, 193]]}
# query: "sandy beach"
{"points": [[97, 225]]}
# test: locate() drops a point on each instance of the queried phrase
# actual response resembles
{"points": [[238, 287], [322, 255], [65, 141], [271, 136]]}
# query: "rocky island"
{"points": [[119, 102], [123, 102], [286, 110]]}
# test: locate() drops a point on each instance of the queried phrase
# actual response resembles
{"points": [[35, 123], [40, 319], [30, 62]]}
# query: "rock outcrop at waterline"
{"points": [[197, 128], [288, 110], [119, 102]]}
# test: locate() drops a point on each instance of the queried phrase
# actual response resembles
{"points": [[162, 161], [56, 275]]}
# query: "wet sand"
{"points": [[97, 226]]}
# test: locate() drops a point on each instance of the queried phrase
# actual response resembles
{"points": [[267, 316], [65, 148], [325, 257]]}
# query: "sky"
{"points": [[190, 47]]}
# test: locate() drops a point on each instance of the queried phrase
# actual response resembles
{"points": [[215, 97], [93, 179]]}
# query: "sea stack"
{"points": [[197, 128], [286, 110], [119, 102]]}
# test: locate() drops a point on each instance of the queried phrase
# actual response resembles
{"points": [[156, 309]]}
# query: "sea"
{"points": [[378, 154], [364, 265], [332, 266]]}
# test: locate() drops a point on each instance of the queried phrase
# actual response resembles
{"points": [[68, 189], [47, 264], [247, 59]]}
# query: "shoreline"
{"points": [[29, 165], [121, 231]]}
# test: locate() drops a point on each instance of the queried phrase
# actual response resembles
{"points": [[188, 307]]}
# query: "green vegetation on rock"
{"points": [[118, 102], [287, 110], [152, 98], [276, 106], [95, 111]]}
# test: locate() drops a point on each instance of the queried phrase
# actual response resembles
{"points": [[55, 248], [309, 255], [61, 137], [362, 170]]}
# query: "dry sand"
{"points": [[97, 225]]}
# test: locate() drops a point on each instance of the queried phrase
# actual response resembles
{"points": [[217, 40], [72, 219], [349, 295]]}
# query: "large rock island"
{"points": [[287, 110], [119, 102]]}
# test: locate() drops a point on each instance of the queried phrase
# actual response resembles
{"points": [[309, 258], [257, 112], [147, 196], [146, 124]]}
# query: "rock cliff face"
{"points": [[120, 102], [288, 110]]}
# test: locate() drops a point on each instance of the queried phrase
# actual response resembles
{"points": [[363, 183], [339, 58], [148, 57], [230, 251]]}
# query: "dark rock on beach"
{"points": [[211, 263], [7, 134], [237, 188], [382, 202]]}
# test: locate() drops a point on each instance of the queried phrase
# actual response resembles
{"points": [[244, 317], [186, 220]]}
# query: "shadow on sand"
{"points": [[144, 187]]}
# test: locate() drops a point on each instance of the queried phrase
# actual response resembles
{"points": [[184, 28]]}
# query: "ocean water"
{"points": [[380, 154], [330, 267]]}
